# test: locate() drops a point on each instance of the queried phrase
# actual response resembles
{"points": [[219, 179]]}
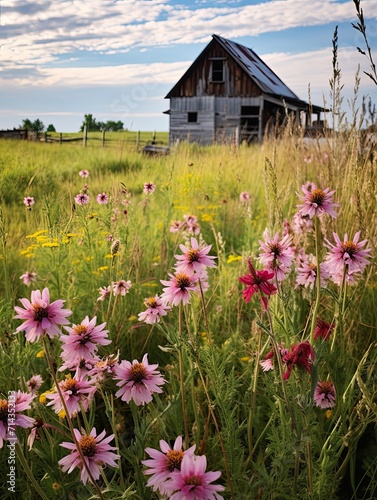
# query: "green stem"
{"points": [[205, 312], [317, 281], [181, 378], [254, 397], [28, 471]]}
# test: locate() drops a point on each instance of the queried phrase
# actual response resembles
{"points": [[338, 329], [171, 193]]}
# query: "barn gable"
{"points": [[228, 91]]}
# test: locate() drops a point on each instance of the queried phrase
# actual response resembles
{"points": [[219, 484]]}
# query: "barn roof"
{"points": [[263, 76], [256, 69]]}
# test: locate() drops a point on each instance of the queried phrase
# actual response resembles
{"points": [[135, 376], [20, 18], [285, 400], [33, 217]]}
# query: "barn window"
{"points": [[217, 70], [192, 117]]}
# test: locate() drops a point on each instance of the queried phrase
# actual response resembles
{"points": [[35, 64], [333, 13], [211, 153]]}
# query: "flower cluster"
{"points": [[180, 474]]}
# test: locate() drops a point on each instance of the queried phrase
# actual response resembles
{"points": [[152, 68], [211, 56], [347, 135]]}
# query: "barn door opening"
{"points": [[249, 124]]}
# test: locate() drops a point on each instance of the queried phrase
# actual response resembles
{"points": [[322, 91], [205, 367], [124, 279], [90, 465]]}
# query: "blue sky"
{"points": [[117, 59]]}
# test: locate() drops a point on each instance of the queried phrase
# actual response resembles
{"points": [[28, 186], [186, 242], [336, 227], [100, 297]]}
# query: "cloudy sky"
{"points": [[117, 59]]}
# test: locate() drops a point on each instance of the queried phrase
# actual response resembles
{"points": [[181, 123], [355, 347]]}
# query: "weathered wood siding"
{"points": [[203, 131]]}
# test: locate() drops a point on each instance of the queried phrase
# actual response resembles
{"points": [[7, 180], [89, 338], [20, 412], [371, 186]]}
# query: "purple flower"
{"points": [[102, 198], [40, 316], [28, 278], [83, 339], [19, 401], [121, 287], [245, 197], [96, 452], [163, 463], [155, 309], [149, 188], [192, 482], [347, 255], [277, 255], [82, 199], [324, 394], [138, 381], [317, 201], [307, 273], [179, 287], [194, 258], [84, 174], [258, 282], [77, 394], [104, 292], [34, 384], [29, 202]]}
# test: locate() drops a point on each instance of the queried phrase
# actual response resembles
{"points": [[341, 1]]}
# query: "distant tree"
{"points": [[90, 122], [51, 128], [27, 124], [114, 126], [36, 126]]}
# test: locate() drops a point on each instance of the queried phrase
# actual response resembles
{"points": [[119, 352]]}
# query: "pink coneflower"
{"points": [[80, 365], [175, 226], [323, 329], [258, 282], [194, 258], [102, 198], [17, 402], [193, 228], [179, 288], [301, 223], [307, 273], [77, 394], [96, 451], [82, 199], [155, 309], [29, 202], [245, 197], [347, 255], [83, 339], [324, 394], [163, 463], [121, 287], [40, 316], [317, 201], [138, 381], [277, 255], [192, 482], [302, 355], [84, 174], [34, 383], [105, 291], [28, 278], [104, 368], [149, 188]]}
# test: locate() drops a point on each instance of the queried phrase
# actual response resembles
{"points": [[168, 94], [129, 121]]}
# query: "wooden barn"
{"points": [[230, 94]]}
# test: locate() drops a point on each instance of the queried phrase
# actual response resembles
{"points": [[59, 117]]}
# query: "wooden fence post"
{"points": [[85, 136], [103, 137], [60, 138], [154, 137], [137, 140]]}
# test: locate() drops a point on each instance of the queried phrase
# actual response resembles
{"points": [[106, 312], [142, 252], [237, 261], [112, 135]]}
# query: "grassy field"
{"points": [[263, 430]]}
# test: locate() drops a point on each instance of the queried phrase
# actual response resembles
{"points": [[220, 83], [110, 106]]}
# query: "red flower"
{"points": [[258, 281], [323, 329], [301, 354]]}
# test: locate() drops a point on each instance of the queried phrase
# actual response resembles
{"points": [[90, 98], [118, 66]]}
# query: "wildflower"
{"points": [[77, 394], [245, 197], [347, 255], [192, 482], [28, 278], [179, 287], [267, 363], [258, 281], [301, 223], [324, 394], [104, 292], [149, 188], [138, 381], [190, 224], [175, 226], [301, 354], [83, 339], [34, 384], [323, 329], [155, 309], [121, 287], [307, 273], [40, 316], [82, 199], [82, 366], [84, 174], [34, 433], [194, 258], [317, 201], [102, 198], [96, 452], [104, 368], [163, 463], [29, 202], [18, 402], [277, 255]]}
